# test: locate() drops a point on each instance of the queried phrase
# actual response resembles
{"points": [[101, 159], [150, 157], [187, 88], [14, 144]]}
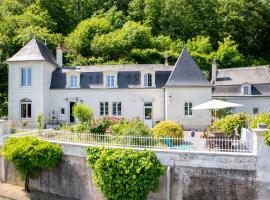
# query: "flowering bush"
{"points": [[103, 125]]}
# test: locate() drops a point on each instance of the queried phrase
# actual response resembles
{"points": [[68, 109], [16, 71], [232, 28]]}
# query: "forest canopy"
{"points": [[233, 32]]}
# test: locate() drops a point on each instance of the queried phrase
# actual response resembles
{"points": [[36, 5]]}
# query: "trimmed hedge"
{"points": [[168, 129], [124, 173]]}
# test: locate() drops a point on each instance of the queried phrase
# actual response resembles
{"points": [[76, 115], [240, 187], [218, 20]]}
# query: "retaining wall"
{"points": [[193, 176]]}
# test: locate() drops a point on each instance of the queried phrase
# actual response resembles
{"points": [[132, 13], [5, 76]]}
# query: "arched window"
{"points": [[148, 80], [26, 108]]}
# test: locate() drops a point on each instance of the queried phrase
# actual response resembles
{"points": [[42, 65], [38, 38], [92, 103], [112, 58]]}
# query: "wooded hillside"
{"points": [[233, 32]]}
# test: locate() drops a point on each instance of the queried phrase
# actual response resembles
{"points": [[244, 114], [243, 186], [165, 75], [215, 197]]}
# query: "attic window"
{"points": [[246, 89], [148, 80]]}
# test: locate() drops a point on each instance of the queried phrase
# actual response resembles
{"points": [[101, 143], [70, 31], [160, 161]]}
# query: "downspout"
{"points": [[168, 192]]}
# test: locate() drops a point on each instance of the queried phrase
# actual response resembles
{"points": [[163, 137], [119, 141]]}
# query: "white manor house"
{"points": [[39, 83]]}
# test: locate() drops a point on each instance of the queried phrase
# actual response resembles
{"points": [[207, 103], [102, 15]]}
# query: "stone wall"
{"points": [[193, 176]]}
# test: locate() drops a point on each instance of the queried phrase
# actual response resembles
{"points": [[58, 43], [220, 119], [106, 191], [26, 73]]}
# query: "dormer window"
{"points": [[148, 80], [246, 89], [73, 81], [110, 81]]}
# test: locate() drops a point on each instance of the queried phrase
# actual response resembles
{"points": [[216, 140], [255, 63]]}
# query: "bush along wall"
{"points": [[124, 173], [30, 155]]}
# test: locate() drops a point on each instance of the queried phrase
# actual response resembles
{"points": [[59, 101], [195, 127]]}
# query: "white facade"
{"points": [[251, 104]]}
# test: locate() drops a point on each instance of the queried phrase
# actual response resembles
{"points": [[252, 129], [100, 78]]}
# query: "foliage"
{"points": [[125, 174], [134, 127], [223, 112], [30, 154], [168, 129], [229, 123], [102, 125], [267, 138], [40, 121], [82, 112], [261, 118]]}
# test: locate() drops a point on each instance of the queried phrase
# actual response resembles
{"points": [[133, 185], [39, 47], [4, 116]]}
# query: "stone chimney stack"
{"points": [[166, 62], [59, 55], [214, 72]]}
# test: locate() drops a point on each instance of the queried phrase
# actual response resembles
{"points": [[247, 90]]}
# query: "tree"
{"points": [[29, 155], [80, 39]]}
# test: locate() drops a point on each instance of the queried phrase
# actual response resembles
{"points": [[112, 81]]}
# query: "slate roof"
{"points": [[33, 51], [91, 77], [229, 81], [186, 72]]}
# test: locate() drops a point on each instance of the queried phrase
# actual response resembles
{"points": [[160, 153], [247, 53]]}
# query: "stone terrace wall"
{"points": [[193, 176]]}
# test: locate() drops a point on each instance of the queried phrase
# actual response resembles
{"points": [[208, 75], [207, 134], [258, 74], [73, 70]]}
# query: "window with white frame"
{"points": [[62, 111], [103, 108], [117, 108], [73, 81], [246, 89], [26, 108], [110, 81], [26, 77], [147, 80], [188, 110]]}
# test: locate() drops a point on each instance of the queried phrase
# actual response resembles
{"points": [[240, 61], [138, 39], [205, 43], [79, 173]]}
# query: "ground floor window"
{"points": [[117, 108], [26, 108], [188, 110], [104, 108], [255, 111]]}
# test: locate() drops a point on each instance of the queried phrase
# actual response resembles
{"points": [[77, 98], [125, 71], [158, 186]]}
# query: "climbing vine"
{"points": [[125, 174]]}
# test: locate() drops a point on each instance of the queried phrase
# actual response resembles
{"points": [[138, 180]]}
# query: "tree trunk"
{"points": [[26, 183]]}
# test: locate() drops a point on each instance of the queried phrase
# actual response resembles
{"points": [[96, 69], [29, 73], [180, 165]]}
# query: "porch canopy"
{"points": [[215, 105]]}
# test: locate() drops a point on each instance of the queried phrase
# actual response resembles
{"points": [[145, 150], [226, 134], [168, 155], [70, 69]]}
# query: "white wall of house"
{"points": [[38, 92], [175, 106], [132, 101], [249, 102]]}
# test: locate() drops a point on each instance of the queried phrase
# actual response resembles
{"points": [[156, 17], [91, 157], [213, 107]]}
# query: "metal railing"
{"points": [[141, 142]]}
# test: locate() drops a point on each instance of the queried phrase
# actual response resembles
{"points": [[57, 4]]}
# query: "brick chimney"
{"points": [[166, 62], [59, 55]]}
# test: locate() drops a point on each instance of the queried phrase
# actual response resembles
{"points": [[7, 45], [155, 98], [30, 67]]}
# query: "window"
{"points": [[110, 81], [62, 111], [26, 77], [73, 81], [104, 108], [255, 111], [26, 108], [246, 90], [117, 108], [188, 110], [148, 80]]}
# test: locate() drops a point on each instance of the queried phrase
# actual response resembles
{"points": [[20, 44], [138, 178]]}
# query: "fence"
{"points": [[154, 143]]}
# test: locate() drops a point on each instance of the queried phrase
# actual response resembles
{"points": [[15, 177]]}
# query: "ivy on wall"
{"points": [[125, 173]]}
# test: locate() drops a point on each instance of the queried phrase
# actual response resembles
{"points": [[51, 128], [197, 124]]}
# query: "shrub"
{"points": [[102, 125], [267, 138], [259, 118], [229, 123], [125, 173], [82, 112], [40, 121], [30, 154], [135, 127], [168, 129]]}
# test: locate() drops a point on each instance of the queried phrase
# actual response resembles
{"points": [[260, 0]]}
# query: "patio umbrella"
{"points": [[215, 105]]}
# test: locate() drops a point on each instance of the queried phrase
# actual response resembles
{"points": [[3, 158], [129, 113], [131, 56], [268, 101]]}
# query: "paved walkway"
{"points": [[13, 192]]}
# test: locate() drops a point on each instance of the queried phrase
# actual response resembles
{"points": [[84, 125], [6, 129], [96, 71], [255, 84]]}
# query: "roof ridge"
{"points": [[241, 68]]}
